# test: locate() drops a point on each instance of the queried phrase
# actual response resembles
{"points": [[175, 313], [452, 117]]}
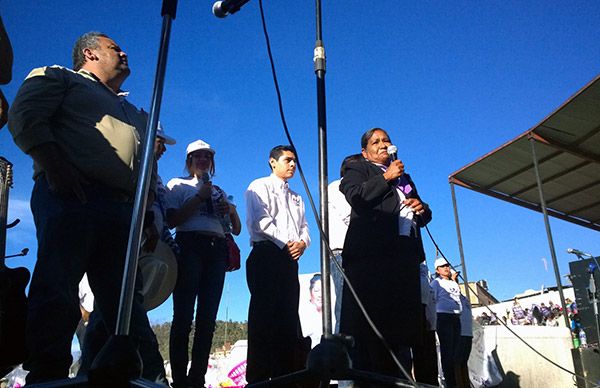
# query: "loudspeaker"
{"points": [[587, 364], [580, 278]]}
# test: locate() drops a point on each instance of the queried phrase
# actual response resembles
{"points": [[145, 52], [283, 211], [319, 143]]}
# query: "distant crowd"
{"points": [[536, 315]]}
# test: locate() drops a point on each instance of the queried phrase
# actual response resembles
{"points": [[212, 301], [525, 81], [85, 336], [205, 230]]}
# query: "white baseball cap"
{"points": [[199, 145], [439, 262], [160, 132]]}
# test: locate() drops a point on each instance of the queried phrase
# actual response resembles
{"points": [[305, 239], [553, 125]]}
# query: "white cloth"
{"points": [[205, 217], [274, 212], [466, 318], [339, 215], [406, 220], [447, 296], [86, 297]]}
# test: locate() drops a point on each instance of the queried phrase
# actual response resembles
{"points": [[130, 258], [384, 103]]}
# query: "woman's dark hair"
{"points": [[364, 140], [316, 278]]}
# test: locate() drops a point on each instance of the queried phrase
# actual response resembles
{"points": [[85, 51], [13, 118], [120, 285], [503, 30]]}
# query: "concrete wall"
{"points": [[522, 367]]}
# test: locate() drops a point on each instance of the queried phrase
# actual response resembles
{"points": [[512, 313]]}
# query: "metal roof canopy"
{"points": [[567, 144], [553, 168]]}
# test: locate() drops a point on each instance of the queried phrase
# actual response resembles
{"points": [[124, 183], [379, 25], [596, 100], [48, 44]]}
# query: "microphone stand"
{"points": [[119, 363], [329, 359]]}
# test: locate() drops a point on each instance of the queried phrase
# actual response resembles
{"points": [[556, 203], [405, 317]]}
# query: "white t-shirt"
{"points": [[205, 217], [447, 295]]}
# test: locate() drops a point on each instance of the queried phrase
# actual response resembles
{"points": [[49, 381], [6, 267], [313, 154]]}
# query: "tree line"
{"points": [[226, 334]]}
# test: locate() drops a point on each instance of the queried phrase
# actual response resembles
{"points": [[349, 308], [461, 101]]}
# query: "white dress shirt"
{"points": [[274, 212], [339, 215]]}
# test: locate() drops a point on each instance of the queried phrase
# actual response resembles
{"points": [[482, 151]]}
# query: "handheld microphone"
{"points": [[392, 150], [227, 7]]}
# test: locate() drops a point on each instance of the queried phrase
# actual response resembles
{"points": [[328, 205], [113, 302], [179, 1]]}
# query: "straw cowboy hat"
{"points": [[159, 274]]}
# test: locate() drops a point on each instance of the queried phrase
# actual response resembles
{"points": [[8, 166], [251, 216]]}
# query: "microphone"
{"points": [[227, 7], [392, 151], [577, 252]]}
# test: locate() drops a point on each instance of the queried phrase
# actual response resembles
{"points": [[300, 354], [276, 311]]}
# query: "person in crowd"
{"points": [[448, 308], [86, 305], [494, 319], [6, 62], [517, 313], [339, 219], [279, 236], [538, 317], [552, 320], [97, 334], [159, 206], [83, 136], [202, 215], [484, 319], [545, 310], [465, 342], [382, 252], [425, 365], [571, 306]]}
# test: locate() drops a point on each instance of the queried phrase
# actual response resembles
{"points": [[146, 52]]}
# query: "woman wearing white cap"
{"points": [[202, 216]]}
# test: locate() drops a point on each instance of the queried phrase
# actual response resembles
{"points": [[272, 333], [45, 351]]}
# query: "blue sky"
{"points": [[450, 81]]}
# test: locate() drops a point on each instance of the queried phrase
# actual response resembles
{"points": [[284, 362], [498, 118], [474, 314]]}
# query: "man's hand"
{"points": [[394, 170], [66, 182], [63, 178], [454, 276], [85, 315], [416, 205], [296, 248]]}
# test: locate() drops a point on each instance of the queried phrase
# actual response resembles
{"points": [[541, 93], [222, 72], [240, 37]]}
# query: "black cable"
{"points": [[312, 203], [502, 322]]}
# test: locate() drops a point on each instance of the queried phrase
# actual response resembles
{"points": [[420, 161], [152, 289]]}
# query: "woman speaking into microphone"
{"points": [[202, 215], [381, 256]]}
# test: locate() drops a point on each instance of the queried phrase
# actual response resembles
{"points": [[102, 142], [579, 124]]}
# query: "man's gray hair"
{"points": [[87, 40]]}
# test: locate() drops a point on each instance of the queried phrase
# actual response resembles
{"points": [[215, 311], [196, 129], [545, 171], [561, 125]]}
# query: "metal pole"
{"points": [[319, 65], [460, 244], [143, 184], [548, 231]]}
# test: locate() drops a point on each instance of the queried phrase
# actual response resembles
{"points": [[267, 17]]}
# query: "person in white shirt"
{"points": [[339, 219], [448, 307], [202, 215], [465, 343], [279, 235]]}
